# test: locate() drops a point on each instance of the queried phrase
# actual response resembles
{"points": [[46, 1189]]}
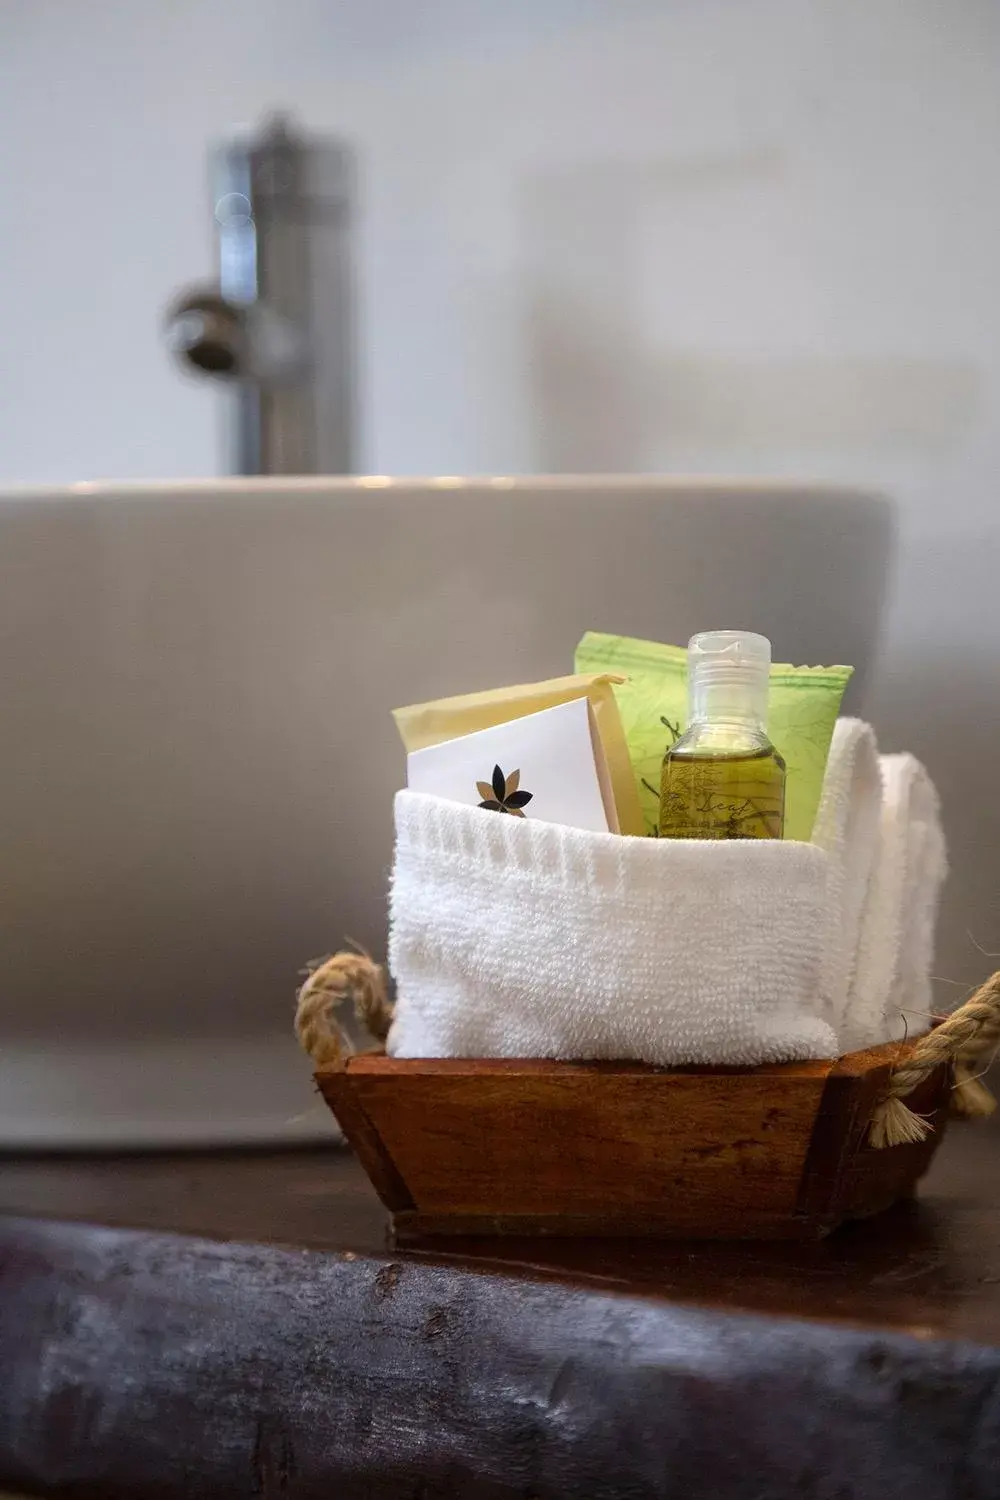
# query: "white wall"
{"points": [[734, 235]]}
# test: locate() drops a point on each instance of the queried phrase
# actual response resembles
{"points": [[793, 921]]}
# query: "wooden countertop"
{"points": [[286, 1350], [931, 1267]]}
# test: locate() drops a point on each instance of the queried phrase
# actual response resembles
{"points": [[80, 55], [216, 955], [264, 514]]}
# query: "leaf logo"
{"points": [[503, 795]]}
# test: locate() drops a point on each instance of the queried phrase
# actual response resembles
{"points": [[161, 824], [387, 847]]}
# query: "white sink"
{"points": [[198, 758]]}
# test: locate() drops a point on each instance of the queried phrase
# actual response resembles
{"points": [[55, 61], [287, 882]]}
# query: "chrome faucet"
{"points": [[277, 326]]}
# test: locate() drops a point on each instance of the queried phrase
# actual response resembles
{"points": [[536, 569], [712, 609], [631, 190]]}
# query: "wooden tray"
{"points": [[502, 1147]]}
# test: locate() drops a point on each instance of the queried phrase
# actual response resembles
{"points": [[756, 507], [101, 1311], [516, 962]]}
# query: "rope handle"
{"points": [[342, 1008], [965, 1041]]}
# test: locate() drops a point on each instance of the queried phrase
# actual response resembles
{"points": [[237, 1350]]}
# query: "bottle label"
{"points": [[708, 797]]}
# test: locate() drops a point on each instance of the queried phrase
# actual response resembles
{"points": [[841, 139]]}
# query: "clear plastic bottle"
{"points": [[723, 779]]}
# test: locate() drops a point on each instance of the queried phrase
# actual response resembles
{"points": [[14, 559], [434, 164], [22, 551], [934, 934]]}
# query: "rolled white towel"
{"points": [[891, 993], [847, 827], [510, 937]]}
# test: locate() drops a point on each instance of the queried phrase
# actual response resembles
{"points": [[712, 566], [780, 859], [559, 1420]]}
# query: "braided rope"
{"points": [[964, 1041], [971, 1098], [332, 984]]}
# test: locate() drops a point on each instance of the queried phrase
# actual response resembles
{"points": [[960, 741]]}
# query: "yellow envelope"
{"points": [[426, 724]]}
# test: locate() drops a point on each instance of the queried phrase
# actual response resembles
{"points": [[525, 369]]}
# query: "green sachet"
{"points": [[803, 706]]}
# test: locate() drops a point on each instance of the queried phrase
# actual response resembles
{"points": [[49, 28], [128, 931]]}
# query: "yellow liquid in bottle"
{"points": [[722, 796]]}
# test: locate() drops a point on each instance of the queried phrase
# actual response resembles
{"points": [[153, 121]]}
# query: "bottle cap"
{"points": [[729, 676]]}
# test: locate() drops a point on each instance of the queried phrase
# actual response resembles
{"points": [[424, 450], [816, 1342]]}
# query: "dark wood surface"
{"points": [[458, 1146], [286, 1351], [931, 1266]]}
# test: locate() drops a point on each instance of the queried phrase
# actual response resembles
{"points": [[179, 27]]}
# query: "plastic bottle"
{"points": [[723, 779]]}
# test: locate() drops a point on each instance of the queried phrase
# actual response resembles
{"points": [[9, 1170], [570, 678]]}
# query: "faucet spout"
{"points": [[277, 326]]}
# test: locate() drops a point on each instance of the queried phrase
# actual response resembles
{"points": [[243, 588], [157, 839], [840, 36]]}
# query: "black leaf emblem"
{"points": [[503, 793]]}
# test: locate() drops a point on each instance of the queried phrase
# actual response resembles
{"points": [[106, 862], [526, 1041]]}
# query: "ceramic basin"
{"points": [[198, 758]]}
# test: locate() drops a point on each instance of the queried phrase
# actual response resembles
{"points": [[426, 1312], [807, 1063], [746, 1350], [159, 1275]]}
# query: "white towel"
{"points": [[512, 937], [891, 991], [847, 827]]}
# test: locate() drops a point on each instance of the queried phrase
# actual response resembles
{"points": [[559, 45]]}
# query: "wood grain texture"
{"points": [[347, 1105], [844, 1176], [552, 1144], [518, 1147], [931, 1263]]}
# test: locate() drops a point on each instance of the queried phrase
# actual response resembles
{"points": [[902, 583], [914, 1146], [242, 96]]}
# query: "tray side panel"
{"points": [[854, 1085], [704, 1153], [338, 1090], [844, 1176], [874, 1179]]}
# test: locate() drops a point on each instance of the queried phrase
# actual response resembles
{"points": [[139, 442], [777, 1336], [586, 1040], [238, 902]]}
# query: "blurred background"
{"points": [[743, 235], [740, 237]]}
